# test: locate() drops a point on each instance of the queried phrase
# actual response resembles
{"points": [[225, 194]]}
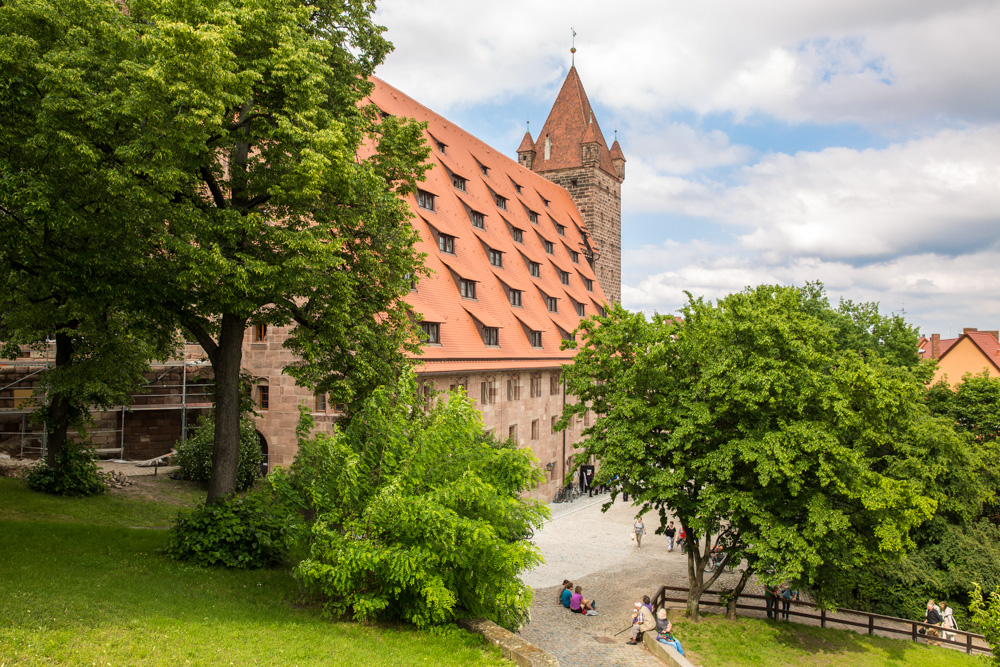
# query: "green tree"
{"points": [[65, 249], [416, 515], [986, 614], [233, 141], [747, 421]]}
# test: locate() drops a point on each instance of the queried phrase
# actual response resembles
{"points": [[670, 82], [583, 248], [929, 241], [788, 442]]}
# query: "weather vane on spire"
{"points": [[573, 48]]}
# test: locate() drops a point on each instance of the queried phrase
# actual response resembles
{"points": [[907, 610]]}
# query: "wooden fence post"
{"points": [[822, 618], [968, 644], [914, 632], [871, 624]]}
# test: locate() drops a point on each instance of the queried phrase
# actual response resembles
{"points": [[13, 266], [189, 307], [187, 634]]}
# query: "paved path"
{"points": [[593, 550]]}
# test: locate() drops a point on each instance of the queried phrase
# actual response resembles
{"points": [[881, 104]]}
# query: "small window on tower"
{"points": [[263, 397], [260, 333]]}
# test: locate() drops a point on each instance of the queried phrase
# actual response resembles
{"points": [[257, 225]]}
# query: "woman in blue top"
{"points": [[567, 593]]}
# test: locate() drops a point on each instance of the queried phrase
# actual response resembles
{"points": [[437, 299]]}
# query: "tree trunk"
{"points": [[227, 362], [731, 605], [696, 574], [59, 412]]}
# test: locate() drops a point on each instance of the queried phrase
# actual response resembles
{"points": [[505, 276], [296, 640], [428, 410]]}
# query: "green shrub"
{"points": [[416, 516], [986, 615], [194, 455], [77, 474], [248, 531]]}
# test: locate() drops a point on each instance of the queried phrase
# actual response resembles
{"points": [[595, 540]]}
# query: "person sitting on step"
{"points": [[642, 621]]}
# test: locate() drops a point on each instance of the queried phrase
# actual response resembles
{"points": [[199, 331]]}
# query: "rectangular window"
{"points": [[589, 283], [491, 336], [564, 277], [432, 332], [488, 392], [535, 268], [581, 310], [320, 402], [534, 429], [485, 171], [340, 407], [514, 389], [425, 200], [263, 397], [575, 256], [441, 148], [586, 418], [446, 243], [536, 386], [260, 333], [496, 258], [549, 248], [512, 432], [553, 423], [517, 235], [552, 303], [458, 182], [478, 219], [533, 217], [536, 341], [467, 288], [515, 297], [554, 384], [560, 230], [501, 202]]}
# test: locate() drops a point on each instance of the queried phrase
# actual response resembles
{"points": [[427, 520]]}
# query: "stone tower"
{"points": [[571, 151]]}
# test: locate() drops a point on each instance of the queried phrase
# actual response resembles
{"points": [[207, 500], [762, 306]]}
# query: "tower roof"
{"points": [[527, 144], [567, 127]]}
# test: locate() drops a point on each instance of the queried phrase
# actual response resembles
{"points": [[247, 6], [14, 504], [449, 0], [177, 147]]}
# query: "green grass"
{"points": [[79, 587], [751, 642]]}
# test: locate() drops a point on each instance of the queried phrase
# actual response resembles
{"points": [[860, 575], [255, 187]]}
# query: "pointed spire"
{"points": [[527, 144]]}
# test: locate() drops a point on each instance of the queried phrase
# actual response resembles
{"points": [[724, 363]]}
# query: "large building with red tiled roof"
{"points": [[973, 352], [512, 261]]}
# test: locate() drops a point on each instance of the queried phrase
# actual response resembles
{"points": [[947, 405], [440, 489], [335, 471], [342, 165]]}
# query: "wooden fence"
{"points": [[862, 622]]}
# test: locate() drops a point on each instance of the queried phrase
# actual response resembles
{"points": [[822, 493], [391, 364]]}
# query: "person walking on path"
{"points": [[670, 532], [682, 541], [935, 620], [638, 528], [948, 621]]}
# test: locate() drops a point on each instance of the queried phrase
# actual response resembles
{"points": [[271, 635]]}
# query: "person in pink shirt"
{"points": [[578, 605]]}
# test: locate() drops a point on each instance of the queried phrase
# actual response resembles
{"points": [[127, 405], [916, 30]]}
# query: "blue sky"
{"points": [[849, 141]]}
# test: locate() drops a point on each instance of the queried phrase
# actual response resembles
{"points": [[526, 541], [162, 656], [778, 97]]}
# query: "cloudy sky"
{"points": [[856, 142]]}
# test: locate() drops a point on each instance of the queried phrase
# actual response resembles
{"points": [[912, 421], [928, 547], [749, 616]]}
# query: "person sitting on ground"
{"points": [[642, 621], [578, 605], [664, 631], [648, 605], [566, 593]]}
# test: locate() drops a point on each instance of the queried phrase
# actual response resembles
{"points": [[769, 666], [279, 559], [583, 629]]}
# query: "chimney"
{"points": [[994, 333], [935, 346], [969, 330]]}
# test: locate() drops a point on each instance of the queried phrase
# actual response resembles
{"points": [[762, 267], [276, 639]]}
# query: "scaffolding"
{"points": [[173, 385]]}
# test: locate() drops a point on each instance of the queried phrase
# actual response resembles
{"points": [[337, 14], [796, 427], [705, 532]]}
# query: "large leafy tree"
{"points": [[234, 139], [66, 248], [751, 422]]}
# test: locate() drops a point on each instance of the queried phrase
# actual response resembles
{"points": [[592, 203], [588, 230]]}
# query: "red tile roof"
{"points": [[571, 122], [985, 341], [437, 297]]}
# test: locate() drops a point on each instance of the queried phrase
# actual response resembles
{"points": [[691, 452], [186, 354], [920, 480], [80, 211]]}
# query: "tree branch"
{"points": [[213, 186]]}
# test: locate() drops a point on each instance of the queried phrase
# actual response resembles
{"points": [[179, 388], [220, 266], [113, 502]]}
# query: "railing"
{"points": [[970, 642]]}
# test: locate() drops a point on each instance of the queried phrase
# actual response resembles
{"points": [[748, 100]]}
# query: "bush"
{"points": [[194, 455], [248, 531], [77, 474], [417, 516]]}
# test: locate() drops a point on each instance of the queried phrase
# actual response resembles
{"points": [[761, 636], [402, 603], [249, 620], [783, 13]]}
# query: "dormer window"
{"points": [[545, 201], [496, 258], [478, 219], [446, 243], [431, 332], [517, 188], [484, 170], [575, 256], [549, 248], [589, 283], [458, 182], [501, 202], [517, 235], [533, 217], [564, 277], [600, 311], [552, 303], [491, 336], [536, 341], [581, 310], [467, 288], [514, 296], [442, 148], [535, 268], [425, 200], [561, 230]]}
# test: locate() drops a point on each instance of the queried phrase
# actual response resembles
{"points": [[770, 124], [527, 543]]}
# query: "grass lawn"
{"points": [[83, 582], [751, 642]]}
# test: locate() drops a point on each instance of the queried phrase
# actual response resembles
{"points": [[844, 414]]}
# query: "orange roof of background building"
{"points": [[571, 122], [470, 177]]}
